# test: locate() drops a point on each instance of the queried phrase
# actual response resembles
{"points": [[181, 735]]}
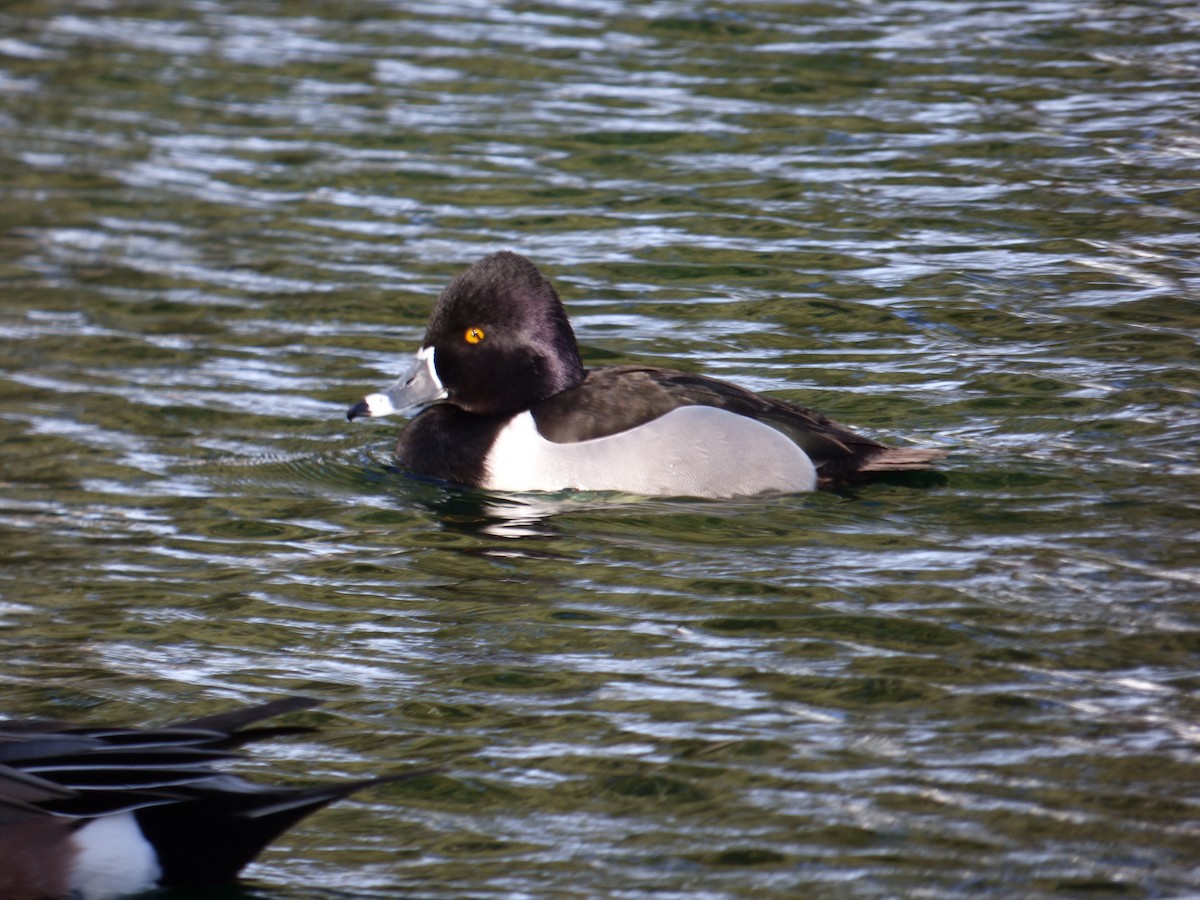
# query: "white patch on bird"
{"points": [[416, 387], [692, 451], [379, 405], [112, 859]]}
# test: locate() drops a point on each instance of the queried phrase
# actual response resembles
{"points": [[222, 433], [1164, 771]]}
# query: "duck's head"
{"points": [[498, 342]]}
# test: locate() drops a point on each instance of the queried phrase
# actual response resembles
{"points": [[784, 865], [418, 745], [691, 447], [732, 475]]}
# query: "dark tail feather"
{"points": [[209, 839], [902, 459], [205, 825], [219, 823], [229, 728], [236, 719]]}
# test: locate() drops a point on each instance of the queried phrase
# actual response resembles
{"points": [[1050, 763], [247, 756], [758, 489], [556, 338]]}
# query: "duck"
{"points": [[507, 405], [99, 812]]}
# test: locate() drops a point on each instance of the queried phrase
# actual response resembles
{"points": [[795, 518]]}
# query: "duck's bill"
{"points": [[418, 386]]}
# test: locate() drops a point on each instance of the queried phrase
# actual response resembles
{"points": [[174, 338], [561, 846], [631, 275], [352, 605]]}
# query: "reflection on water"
{"points": [[972, 225]]}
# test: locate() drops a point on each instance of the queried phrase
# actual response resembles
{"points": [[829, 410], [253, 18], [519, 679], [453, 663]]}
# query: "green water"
{"points": [[969, 225]]}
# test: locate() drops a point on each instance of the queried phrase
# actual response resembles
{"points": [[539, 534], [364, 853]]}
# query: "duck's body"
{"points": [[520, 413], [98, 813]]}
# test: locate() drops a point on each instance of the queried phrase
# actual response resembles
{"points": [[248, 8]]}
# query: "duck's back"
{"points": [[614, 400]]}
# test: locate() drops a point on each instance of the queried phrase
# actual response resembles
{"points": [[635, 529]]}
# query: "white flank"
{"points": [[693, 451], [113, 859]]}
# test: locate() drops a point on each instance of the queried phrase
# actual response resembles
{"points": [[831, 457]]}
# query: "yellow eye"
{"points": [[474, 334]]}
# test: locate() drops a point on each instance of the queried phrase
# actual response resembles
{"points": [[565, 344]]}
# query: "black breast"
{"points": [[447, 443]]}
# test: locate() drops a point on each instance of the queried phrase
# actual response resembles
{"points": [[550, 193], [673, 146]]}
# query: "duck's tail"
{"points": [[902, 459]]}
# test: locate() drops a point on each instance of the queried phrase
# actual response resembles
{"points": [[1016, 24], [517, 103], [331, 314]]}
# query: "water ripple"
{"points": [[966, 227]]}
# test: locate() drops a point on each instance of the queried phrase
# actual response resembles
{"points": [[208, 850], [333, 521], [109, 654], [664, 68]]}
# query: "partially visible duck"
{"points": [[92, 813], [513, 409]]}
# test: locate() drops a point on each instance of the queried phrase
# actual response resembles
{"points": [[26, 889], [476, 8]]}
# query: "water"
{"points": [[969, 225]]}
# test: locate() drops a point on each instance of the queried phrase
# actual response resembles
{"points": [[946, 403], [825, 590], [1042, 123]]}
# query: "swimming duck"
{"points": [[96, 813], [510, 407]]}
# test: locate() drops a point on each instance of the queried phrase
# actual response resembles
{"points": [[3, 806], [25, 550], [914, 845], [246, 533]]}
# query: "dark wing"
{"points": [[613, 400], [204, 824]]}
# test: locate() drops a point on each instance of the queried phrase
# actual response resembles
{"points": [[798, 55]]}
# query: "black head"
{"points": [[501, 338]]}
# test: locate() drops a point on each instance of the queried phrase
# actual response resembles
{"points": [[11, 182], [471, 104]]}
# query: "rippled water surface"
{"points": [[971, 225]]}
